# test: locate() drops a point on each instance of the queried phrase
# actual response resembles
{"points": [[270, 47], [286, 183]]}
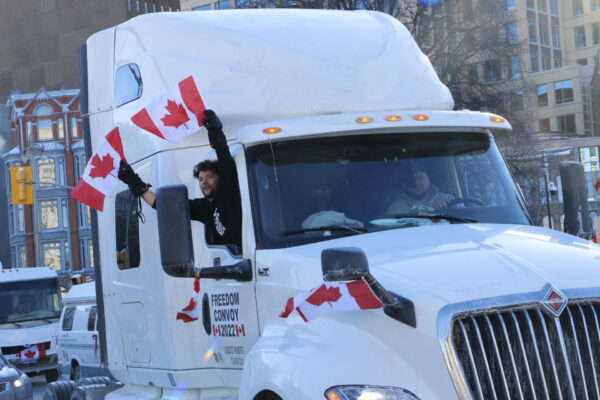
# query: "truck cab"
{"points": [[343, 137], [30, 306]]}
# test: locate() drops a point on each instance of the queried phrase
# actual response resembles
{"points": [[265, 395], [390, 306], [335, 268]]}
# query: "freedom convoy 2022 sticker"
{"points": [[225, 315]]}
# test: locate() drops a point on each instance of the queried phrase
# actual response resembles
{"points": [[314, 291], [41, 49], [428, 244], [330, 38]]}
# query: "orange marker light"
{"points": [[393, 118], [364, 120], [331, 395], [271, 130], [497, 120], [420, 117]]}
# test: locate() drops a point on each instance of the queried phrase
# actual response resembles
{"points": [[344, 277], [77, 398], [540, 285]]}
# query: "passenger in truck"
{"points": [[417, 194], [325, 215], [220, 210]]}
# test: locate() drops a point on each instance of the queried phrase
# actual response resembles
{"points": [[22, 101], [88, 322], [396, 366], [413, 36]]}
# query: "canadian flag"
{"points": [[333, 296], [597, 185], [175, 115], [191, 312], [100, 175], [33, 353]]}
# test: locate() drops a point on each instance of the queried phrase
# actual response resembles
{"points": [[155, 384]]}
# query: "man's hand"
{"points": [[215, 128], [131, 179]]}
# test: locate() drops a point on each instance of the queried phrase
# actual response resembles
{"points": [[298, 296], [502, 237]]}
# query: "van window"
{"points": [[92, 319], [128, 84], [67, 323], [127, 230]]}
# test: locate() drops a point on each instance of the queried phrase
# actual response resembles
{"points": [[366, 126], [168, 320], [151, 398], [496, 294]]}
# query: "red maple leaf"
{"points": [[177, 115], [30, 354], [102, 166], [324, 294]]}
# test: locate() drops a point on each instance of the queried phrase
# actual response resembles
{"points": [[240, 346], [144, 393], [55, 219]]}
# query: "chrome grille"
{"points": [[527, 354], [2, 386]]}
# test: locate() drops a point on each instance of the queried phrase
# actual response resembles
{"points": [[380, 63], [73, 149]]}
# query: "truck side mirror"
{"points": [[174, 231], [344, 264]]}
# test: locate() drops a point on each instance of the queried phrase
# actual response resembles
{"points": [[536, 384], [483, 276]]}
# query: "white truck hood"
{"points": [[462, 262]]}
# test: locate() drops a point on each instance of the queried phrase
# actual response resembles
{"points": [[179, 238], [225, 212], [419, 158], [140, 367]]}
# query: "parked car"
{"points": [[14, 384]]}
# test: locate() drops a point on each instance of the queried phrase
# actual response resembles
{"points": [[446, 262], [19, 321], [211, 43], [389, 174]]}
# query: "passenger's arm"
{"points": [[218, 141], [135, 183]]}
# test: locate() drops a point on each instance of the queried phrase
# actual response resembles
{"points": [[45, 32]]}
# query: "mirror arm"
{"points": [[394, 305]]}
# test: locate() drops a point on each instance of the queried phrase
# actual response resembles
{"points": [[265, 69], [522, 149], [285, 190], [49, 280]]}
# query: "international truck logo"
{"points": [[554, 302]]}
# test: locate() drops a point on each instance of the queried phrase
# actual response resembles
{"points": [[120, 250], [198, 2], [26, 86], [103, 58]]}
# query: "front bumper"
{"points": [[50, 362]]}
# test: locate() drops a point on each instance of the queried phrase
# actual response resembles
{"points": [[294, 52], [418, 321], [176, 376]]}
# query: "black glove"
{"points": [[215, 129], [131, 179]]}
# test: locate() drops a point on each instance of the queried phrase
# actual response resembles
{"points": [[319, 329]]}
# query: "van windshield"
{"points": [[318, 189], [29, 300]]}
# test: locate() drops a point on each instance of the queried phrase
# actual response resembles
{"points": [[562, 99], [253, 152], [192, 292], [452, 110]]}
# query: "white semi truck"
{"points": [[332, 117], [30, 307]]}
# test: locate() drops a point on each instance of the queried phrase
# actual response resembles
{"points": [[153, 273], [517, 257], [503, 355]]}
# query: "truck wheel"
{"points": [[75, 372], [59, 390], [52, 375]]}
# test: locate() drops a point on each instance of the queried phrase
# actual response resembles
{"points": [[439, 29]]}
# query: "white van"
{"points": [[77, 339]]}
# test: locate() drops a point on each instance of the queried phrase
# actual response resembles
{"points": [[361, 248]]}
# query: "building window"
{"points": [[543, 5], [49, 214], [17, 219], [492, 71], [512, 35], [60, 127], [555, 36], [533, 57], [544, 125], [29, 129], [84, 215], [45, 130], [128, 84], [74, 127], [531, 4], [531, 27], [544, 34], [515, 67], [566, 123], [22, 256], [137, 5], [546, 58], [580, 37], [577, 7], [563, 91], [511, 4], [146, 7], [594, 5], [516, 101], [554, 7], [46, 172], [542, 95], [51, 255], [223, 5], [86, 253], [202, 8], [128, 5], [596, 32], [153, 7], [557, 58]]}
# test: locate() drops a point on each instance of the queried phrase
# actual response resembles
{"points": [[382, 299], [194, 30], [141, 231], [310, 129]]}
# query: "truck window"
{"points": [[128, 84], [91, 326], [127, 230], [367, 183], [67, 323]]}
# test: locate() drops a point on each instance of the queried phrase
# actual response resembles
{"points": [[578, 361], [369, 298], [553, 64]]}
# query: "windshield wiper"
{"points": [[450, 218], [335, 228]]}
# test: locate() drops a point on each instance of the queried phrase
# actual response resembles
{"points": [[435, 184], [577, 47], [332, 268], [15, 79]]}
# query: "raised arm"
{"points": [[218, 141], [128, 176]]}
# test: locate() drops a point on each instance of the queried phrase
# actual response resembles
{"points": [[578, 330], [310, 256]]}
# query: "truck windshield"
{"points": [[318, 189], [29, 300]]}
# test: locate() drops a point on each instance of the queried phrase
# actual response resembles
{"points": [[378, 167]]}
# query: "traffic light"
{"points": [[22, 189]]}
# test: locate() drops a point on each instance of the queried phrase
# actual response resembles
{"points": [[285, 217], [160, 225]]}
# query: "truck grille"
{"points": [[528, 355], [10, 350], [2, 386]]}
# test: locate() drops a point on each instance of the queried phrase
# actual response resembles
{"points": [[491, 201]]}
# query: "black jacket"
{"points": [[222, 217]]}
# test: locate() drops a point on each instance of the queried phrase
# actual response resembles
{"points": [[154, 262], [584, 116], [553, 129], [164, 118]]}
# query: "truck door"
{"points": [[228, 306]]}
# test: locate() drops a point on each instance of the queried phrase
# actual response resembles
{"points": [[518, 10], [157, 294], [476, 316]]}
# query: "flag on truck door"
{"points": [[100, 175], [191, 312], [332, 296], [175, 115]]}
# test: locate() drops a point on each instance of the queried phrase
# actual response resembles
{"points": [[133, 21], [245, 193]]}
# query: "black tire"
{"points": [[78, 394], [75, 373], [52, 375], [60, 390]]}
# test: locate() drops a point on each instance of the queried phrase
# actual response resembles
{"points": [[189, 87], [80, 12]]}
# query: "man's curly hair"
{"points": [[206, 165]]}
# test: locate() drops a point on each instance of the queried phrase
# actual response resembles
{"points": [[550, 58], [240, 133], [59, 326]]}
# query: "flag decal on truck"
{"points": [[554, 302]]}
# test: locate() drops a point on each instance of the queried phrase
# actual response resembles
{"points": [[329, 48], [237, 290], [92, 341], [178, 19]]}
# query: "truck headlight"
{"points": [[18, 383], [358, 392]]}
